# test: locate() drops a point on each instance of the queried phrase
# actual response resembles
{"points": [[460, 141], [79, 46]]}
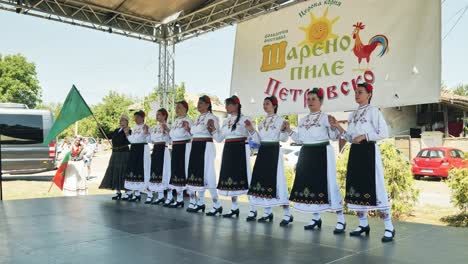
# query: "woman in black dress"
{"points": [[114, 178]]}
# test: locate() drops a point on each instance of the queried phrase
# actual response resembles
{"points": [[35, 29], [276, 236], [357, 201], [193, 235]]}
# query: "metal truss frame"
{"points": [[213, 15], [86, 15], [166, 75]]}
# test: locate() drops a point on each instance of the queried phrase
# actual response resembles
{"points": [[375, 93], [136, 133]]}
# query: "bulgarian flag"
{"points": [[59, 177]]}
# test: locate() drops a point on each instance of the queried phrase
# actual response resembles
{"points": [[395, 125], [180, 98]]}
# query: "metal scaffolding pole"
{"points": [[166, 76]]}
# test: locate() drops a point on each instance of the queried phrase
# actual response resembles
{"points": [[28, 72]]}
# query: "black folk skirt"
{"points": [[114, 178], [135, 170], [360, 177], [264, 175], [233, 175], [311, 184]]}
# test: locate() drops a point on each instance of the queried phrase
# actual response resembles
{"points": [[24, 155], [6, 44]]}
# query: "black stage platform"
{"points": [[94, 229]]}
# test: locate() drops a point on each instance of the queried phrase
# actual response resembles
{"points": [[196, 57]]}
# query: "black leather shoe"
{"points": [[285, 222], [135, 198], [168, 204], [268, 218], [386, 239], [317, 223], [117, 196], [191, 208], [252, 217], [149, 201], [341, 230], [363, 229], [177, 205], [127, 198], [232, 213], [216, 211], [158, 201], [199, 208]]}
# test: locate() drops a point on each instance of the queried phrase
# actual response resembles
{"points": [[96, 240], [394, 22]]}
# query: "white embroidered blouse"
{"points": [[178, 132], [138, 135], [366, 120], [269, 130], [159, 135], [314, 128], [226, 132], [200, 128]]}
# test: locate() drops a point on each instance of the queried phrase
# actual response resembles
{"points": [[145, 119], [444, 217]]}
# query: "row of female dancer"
{"points": [[192, 164]]}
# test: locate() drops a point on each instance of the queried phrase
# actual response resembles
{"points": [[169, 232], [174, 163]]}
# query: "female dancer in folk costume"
{"points": [[114, 178], [160, 173], [268, 187], [365, 184], [201, 171], [139, 162], [235, 174], [75, 180], [180, 136], [315, 186]]}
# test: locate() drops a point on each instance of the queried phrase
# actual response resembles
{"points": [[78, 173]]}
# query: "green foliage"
{"points": [[290, 175], [461, 89], [458, 220], [293, 120], [458, 182], [109, 111], [18, 81], [399, 181], [180, 93]]}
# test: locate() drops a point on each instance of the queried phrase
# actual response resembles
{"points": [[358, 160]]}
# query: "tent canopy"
{"points": [[153, 20]]}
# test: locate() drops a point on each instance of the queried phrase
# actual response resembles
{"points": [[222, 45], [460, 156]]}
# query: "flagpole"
{"points": [[102, 130], [51, 184], [95, 119]]}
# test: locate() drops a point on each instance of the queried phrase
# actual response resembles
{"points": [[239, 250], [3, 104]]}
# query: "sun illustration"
{"points": [[319, 29]]}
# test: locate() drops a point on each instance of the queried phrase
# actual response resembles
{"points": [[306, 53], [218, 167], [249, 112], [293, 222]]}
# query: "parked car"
{"points": [[437, 161], [291, 155], [22, 132]]}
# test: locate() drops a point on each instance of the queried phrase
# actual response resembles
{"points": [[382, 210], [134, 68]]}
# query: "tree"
{"points": [[109, 111], [461, 89], [18, 81], [180, 93]]}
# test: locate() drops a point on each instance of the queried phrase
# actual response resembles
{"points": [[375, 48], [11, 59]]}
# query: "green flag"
{"points": [[74, 109]]}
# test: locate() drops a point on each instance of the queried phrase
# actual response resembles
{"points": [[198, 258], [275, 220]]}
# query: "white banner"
{"points": [[330, 44]]}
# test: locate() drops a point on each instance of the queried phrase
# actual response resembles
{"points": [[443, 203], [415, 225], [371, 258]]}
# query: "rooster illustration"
{"points": [[364, 51]]}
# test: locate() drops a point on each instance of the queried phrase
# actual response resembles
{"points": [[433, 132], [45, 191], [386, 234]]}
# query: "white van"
{"points": [[22, 132]]}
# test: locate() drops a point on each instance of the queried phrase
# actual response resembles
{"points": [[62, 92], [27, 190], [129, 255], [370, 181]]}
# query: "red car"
{"points": [[437, 161]]}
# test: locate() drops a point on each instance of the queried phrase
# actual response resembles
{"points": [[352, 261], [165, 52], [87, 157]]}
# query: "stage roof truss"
{"points": [[132, 18]]}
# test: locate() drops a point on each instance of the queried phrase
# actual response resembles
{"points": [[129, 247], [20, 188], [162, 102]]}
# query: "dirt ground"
{"points": [[434, 201]]}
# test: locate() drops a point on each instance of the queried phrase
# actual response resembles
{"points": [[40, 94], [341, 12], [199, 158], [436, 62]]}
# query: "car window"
{"points": [[297, 153], [92, 140], [287, 151], [436, 154], [423, 154], [21, 129], [462, 155], [455, 154]]}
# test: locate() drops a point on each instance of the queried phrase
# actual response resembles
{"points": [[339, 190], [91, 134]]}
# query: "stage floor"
{"points": [[94, 229]]}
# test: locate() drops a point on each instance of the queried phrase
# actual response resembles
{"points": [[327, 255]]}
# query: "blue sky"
{"points": [[98, 62]]}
